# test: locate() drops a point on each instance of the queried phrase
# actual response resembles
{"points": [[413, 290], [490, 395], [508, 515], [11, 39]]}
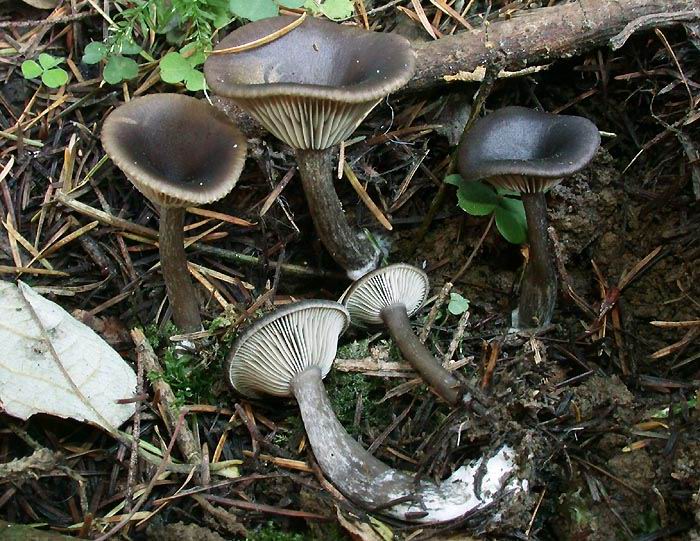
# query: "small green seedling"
{"points": [[47, 69], [181, 67], [261, 9], [480, 199], [458, 304], [336, 10], [118, 67]]}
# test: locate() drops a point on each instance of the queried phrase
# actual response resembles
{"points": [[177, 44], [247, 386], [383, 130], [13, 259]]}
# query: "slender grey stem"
{"points": [[418, 356], [347, 247], [360, 476], [173, 262], [538, 292], [375, 486]]}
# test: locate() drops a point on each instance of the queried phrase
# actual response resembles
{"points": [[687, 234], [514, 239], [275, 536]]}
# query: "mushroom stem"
{"points": [[173, 262], [375, 486], [414, 351], [350, 249], [360, 476], [538, 292]]}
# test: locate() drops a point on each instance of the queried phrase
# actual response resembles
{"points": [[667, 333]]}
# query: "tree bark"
{"points": [[537, 36]]}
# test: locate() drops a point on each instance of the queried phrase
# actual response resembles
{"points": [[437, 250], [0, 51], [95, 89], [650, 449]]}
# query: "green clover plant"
{"points": [[181, 67], [253, 10], [458, 304], [336, 10], [189, 25], [480, 199], [47, 69]]}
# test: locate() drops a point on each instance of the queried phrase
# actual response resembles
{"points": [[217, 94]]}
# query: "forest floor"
{"points": [[601, 406]]}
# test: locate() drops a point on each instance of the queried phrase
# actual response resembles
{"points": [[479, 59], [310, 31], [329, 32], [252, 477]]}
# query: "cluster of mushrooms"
{"points": [[311, 86]]}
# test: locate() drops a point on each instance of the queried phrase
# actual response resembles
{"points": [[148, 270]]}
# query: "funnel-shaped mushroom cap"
{"points": [[314, 85], [283, 344], [177, 150], [526, 150], [388, 286]]}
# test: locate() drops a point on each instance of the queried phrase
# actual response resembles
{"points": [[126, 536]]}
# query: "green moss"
{"points": [[190, 380], [293, 426], [580, 513], [648, 522], [581, 516], [343, 389], [271, 532], [157, 336], [354, 350], [394, 355]]}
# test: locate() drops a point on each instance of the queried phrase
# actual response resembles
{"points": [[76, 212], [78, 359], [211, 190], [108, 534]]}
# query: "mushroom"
{"points": [[311, 88], [288, 352], [179, 152], [390, 296], [530, 151]]}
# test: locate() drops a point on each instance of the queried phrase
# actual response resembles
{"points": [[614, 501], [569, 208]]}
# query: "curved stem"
{"points": [[538, 292], [173, 262], [348, 248], [418, 356], [375, 486]]}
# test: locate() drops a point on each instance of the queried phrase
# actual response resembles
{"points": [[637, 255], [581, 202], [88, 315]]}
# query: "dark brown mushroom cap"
{"points": [[527, 150], [314, 85], [395, 284], [177, 150], [284, 343]]}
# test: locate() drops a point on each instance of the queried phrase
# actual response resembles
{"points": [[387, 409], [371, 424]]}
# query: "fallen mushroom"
{"points": [[390, 296], [288, 352], [178, 152], [530, 151], [311, 88]]}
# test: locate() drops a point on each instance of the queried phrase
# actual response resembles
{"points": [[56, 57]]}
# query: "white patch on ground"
{"points": [[456, 496]]}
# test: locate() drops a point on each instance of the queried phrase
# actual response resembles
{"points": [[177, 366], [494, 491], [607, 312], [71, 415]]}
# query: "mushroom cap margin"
{"points": [[177, 150], [527, 150]]}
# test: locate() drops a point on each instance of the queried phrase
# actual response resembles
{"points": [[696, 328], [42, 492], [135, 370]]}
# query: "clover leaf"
{"points": [[47, 69], [458, 304], [94, 52], [120, 68], [480, 199], [31, 69], [55, 77], [254, 10], [335, 10], [176, 68]]}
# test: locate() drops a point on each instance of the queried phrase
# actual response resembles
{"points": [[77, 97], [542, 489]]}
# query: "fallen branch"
{"points": [[542, 35], [41, 462], [171, 413]]}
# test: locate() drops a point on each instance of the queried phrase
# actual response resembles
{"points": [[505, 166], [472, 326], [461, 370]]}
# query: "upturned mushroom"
{"points": [[390, 296], [178, 152], [287, 353], [529, 152], [311, 88]]}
